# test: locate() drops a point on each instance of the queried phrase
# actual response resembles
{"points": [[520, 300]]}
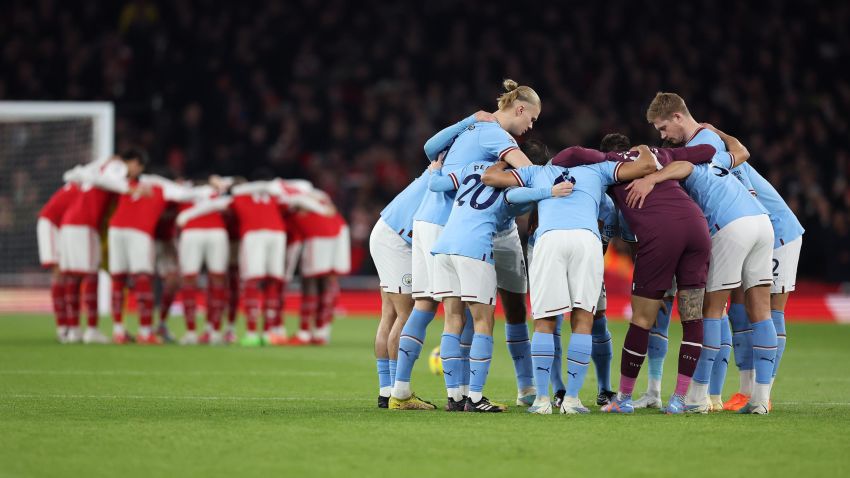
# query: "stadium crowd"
{"points": [[345, 94]]}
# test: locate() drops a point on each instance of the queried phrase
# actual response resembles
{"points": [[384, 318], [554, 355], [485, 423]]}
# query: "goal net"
{"points": [[38, 142]]}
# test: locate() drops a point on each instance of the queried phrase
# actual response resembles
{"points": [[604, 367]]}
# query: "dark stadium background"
{"points": [[345, 93]]}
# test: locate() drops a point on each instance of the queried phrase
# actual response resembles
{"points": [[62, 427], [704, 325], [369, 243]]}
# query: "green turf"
{"points": [[73, 410]]}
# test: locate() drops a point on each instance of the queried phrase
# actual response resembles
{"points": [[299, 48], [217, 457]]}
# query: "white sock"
{"points": [[653, 387], [117, 329], [524, 392], [454, 393], [464, 390], [401, 390], [747, 380], [385, 391], [715, 398], [761, 393], [541, 400], [475, 397], [144, 331], [697, 392]]}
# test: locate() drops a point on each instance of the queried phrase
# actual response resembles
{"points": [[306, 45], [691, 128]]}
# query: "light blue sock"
{"points": [[721, 362], [383, 373], [657, 348], [578, 358], [519, 346], [450, 356], [465, 345], [393, 364], [479, 361], [542, 355], [710, 348], [557, 378], [410, 343], [764, 350], [602, 353], [742, 336], [778, 318]]}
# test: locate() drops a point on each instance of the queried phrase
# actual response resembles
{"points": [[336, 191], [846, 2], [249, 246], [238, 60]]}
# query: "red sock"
{"points": [[189, 294], [327, 303], [233, 299], [119, 282], [165, 303], [216, 297], [272, 302], [57, 295], [309, 305], [72, 299], [252, 300], [90, 298], [144, 298]]}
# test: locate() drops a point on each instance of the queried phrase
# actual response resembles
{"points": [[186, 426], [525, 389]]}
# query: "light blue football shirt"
{"points": [[482, 141], [476, 214], [579, 210], [398, 214], [721, 197], [786, 226]]}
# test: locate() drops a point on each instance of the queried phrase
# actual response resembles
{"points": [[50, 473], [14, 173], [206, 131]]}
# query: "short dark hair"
{"points": [[135, 153], [615, 142], [537, 151]]}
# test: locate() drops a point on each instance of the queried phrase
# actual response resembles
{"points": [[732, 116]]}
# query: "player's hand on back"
{"points": [[484, 116], [639, 189], [438, 164], [564, 188]]}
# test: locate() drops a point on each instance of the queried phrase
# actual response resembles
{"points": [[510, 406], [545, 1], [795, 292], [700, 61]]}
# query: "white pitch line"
{"points": [[278, 373], [181, 397]]}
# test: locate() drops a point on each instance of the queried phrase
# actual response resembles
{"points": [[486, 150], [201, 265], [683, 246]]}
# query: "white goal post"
{"points": [[39, 140]]}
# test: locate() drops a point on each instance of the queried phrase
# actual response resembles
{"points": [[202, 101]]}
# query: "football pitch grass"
{"points": [[74, 410]]}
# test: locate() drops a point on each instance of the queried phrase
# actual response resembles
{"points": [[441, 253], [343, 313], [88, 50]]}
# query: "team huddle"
{"points": [[725, 244], [249, 238]]}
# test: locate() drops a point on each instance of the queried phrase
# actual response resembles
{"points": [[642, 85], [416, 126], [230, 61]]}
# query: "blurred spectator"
{"points": [[346, 93]]}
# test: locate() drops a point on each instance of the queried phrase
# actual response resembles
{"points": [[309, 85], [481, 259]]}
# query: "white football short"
{"points": [[425, 234], [566, 273], [130, 251], [79, 249], [393, 258], [199, 247], [47, 236], [741, 253], [511, 273], [602, 303], [261, 254], [470, 279], [785, 260], [326, 255]]}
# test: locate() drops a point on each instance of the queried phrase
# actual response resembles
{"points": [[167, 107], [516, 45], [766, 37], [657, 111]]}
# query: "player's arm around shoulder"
{"points": [[645, 164], [439, 183], [499, 176], [737, 152]]}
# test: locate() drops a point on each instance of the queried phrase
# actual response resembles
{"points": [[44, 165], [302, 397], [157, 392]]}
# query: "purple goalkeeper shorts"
{"points": [[682, 250]]}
